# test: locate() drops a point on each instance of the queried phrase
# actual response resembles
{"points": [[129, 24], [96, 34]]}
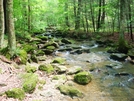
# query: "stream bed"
{"points": [[111, 80]]}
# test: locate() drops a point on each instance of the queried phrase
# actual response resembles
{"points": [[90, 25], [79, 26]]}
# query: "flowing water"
{"points": [[111, 80]]}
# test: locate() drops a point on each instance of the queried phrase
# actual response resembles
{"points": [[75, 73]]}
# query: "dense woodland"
{"points": [[54, 47], [23, 18]]}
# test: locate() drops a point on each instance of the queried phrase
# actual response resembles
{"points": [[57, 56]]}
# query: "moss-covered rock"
{"points": [[30, 69], [40, 53], [23, 56], [44, 38], [16, 93], [57, 77], [50, 47], [74, 70], [51, 43], [82, 78], [34, 58], [59, 60], [29, 47], [46, 67], [29, 82], [69, 90]]}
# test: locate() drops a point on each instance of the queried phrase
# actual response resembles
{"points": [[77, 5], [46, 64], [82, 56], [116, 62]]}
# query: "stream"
{"points": [[111, 80]]}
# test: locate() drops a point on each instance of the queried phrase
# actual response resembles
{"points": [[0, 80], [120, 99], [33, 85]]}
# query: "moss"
{"points": [[47, 67], [0, 70], [69, 90], [16, 93], [30, 69], [42, 82], [5, 52], [23, 55], [57, 77], [34, 58], [50, 47], [29, 82], [82, 78], [29, 47], [59, 60], [40, 53]]}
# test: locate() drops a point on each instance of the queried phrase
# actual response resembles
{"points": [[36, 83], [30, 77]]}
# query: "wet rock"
{"points": [[115, 65], [47, 51], [130, 83], [118, 56], [82, 78], [46, 67], [74, 70], [70, 91], [65, 49], [80, 51], [66, 41], [122, 74], [16, 93]]}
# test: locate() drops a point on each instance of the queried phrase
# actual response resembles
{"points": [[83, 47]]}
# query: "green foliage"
{"points": [[16, 93], [123, 45]]}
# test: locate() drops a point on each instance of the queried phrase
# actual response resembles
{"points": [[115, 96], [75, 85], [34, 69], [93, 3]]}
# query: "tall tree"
{"points": [[10, 28], [2, 26], [78, 15]]}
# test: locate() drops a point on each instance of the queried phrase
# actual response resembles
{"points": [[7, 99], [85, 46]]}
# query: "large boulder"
{"points": [[82, 78]]}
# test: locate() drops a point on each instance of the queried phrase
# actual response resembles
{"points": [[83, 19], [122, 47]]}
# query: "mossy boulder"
{"points": [[59, 60], [23, 56], [29, 47], [50, 47], [16, 93], [51, 43], [82, 78], [59, 68], [29, 82], [30, 69], [66, 41], [44, 38], [70, 91], [46, 67]]}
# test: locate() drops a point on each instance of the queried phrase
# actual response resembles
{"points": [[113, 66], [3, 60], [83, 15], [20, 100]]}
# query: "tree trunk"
{"points": [[99, 17], [66, 15], [103, 12], [10, 28], [2, 25], [130, 18], [29, 16], [78, 16], [92, 15]]}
